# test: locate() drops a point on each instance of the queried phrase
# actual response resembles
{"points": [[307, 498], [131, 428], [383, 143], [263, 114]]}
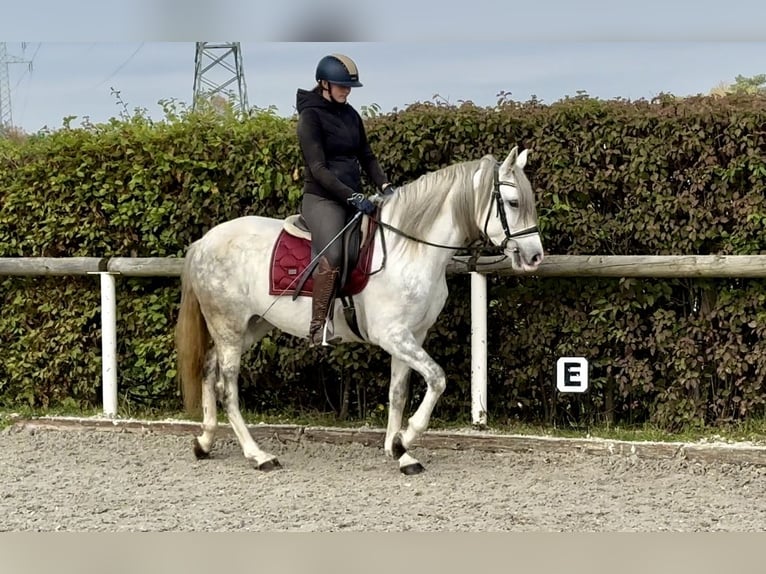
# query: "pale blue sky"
{"points": [[459, 50], [76, 79]]}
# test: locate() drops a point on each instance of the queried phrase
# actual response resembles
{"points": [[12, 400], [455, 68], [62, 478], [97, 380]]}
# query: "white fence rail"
{"points": [[646, 266]]}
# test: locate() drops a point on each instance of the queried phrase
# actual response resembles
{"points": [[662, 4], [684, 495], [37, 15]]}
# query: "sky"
{"points": [[84, 51]]}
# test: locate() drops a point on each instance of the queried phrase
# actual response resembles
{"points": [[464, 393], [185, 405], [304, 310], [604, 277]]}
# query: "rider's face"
{"points": [[339, 93]]}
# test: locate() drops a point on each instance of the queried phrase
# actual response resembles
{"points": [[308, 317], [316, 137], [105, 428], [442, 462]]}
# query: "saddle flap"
{"points": [[289, 270]]}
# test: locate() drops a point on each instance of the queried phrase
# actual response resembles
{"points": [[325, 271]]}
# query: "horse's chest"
{"points": [[422, 299]]}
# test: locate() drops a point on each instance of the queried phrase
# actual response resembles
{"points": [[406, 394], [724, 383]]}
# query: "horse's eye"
{"points": [[514, 203]]}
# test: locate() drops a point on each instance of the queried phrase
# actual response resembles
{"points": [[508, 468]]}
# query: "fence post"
{"points": [[108, 342], [478, 349]]}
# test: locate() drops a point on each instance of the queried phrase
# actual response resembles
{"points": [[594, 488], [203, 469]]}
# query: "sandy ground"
{"points": [[107, 481]]}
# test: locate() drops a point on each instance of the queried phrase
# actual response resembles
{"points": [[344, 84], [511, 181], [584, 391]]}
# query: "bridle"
{"points": [[497, 196], [482, 243]]}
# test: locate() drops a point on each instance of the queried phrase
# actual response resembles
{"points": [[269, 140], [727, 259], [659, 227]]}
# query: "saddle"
{"points": [[289, 273]]}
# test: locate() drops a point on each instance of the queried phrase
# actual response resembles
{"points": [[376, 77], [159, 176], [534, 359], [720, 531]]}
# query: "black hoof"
{"points": [[397, 448], [198, 452], [269, 465], [415, 468]]}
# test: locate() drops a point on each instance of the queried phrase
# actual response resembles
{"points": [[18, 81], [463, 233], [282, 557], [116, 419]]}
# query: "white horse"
{"points": [[226, 297]]}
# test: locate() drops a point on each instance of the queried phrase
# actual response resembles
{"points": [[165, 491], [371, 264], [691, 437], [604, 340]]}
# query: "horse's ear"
{"points": [[521, 161], [508, 163]]}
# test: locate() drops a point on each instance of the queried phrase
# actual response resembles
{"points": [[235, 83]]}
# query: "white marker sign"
{"points": [[572, 374]]}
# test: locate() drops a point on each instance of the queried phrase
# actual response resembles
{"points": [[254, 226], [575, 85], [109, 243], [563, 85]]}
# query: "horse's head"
{"points": [[511, 217]]}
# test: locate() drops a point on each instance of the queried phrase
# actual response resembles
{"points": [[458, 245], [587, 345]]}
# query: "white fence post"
{"points": [[108, 342], [478, 349]]}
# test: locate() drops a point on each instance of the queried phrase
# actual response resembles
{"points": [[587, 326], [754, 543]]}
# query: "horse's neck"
{"points": [[443, 233]]}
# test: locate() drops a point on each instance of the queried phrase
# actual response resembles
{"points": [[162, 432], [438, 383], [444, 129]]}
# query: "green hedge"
{"points": [[671, 176]]}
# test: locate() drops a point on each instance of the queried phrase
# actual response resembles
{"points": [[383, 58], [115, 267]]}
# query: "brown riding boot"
{"points": [[324, 287]]}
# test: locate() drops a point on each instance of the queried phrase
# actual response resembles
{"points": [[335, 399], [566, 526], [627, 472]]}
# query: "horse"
{"points": [[228, 302]]}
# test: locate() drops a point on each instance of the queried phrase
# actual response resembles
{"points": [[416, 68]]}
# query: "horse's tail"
{"points": [[192, 338]]}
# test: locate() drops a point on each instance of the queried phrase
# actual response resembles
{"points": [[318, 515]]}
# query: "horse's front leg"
{"points": [[397, 398], [404, 346]]}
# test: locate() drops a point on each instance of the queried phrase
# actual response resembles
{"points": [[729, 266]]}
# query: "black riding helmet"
{"points": [[338, 69]]}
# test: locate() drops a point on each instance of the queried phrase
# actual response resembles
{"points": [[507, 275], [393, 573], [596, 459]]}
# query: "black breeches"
{"points": [[325, 218]]}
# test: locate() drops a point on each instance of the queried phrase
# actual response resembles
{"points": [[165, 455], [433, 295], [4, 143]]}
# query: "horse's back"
{"points": [[245, 226], [227, 246]]}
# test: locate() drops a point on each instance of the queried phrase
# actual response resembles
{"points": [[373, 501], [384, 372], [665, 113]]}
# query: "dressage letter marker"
{"points": [[572, 374]]}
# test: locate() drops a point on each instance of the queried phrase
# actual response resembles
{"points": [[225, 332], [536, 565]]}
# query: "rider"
{"points": [[334, 144]]}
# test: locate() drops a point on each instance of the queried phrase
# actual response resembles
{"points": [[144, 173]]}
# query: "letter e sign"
{"points": [[572, 374]]}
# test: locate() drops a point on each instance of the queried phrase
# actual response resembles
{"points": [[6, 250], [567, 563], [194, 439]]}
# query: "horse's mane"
{"points": [[418, 203]]}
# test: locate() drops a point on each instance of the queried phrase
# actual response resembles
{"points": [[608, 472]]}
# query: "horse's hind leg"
{"points": [[214, 388], [405, 347], [203, 444], [230, 357]]}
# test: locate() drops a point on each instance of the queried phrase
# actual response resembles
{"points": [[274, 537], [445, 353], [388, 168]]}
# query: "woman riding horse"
{"points": [[334, 145]]}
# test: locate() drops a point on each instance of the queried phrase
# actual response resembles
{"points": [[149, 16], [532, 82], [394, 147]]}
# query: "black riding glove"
{"points": [[363, 204]]}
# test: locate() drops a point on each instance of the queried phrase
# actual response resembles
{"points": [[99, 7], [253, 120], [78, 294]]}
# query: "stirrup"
{"points": [[329, 327], [326, 341]]}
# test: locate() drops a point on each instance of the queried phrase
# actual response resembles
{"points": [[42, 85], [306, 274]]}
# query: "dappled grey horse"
{"points": [[227, 304]]}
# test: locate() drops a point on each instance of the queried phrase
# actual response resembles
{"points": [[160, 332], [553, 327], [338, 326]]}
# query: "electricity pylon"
{"points": [[226, 59], [6, 117]]}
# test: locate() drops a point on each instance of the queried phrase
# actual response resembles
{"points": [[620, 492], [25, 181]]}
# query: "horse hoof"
{"points": [[414, 468], [198, 452], [269, 465]]}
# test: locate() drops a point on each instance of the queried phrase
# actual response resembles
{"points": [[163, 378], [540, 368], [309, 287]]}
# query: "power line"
{"points": [[121, 66], [23, 75], [29, 69]]}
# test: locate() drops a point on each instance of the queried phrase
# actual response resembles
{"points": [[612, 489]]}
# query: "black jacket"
{"points": [[334, 146]]}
